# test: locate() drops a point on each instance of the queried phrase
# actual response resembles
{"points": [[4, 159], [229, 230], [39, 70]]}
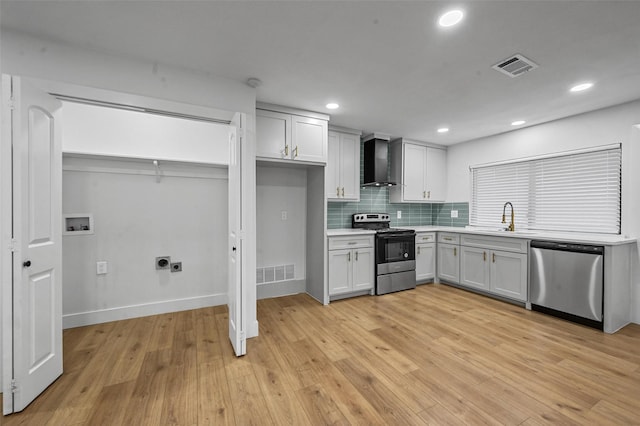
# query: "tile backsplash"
{"points": [[376, 200]]}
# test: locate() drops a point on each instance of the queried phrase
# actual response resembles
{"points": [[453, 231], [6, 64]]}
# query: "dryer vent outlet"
{"points": [[163, 262], [176, 267]]}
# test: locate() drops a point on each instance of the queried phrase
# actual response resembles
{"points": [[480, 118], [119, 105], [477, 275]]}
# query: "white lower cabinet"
{"points": [[448, 263], [474, 267], [425, 256], [351, 267], [501, 272], [448, 257], [509, 274]]}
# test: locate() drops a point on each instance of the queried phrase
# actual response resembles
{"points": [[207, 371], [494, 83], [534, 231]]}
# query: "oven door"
{"points": [[395, 248]]}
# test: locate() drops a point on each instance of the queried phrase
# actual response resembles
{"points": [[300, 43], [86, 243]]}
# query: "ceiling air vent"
{"points": [[515, 65]]}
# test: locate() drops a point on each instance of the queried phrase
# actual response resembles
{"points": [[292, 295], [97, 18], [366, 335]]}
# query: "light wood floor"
{"points": [[435, 355]]}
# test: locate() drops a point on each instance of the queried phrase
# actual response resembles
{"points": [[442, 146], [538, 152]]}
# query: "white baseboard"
{"points": [[280, 288], [134, 311]]}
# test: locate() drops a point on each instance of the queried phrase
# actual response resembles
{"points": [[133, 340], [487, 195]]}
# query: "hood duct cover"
{"points": [[376, 164]]}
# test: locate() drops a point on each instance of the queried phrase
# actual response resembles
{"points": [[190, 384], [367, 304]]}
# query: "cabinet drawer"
{"points": [[425, 237], [448, 238], [340, 243], [495, 243]]}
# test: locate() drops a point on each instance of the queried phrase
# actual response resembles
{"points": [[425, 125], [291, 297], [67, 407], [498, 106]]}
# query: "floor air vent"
{"points": [[270, 274], [515, 66]]}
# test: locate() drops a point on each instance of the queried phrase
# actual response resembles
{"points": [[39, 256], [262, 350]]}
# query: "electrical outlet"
{"points": [[163, 262], [176, 267], [101, 268], [399, 214], [454, 213], [283, 214]]}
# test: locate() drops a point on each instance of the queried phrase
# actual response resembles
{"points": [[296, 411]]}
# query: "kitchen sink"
{"points": [[500, 230]]}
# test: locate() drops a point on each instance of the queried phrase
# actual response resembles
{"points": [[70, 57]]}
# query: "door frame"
{"points": [[106, 96]]}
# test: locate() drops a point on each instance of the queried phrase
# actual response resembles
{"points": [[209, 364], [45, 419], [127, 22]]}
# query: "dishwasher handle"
{"points": [[564, 246]]}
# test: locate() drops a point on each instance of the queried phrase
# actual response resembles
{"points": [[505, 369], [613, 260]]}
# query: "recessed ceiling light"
{"points": [[332, 105], [518, 122], [580, 87], [443, 130], [450, 18]]}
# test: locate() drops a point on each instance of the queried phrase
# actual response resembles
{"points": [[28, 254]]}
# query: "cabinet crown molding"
{"points": [[294, 111]]}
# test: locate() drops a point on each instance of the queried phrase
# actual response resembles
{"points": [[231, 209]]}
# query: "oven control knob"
{"points": [[406, 255]]}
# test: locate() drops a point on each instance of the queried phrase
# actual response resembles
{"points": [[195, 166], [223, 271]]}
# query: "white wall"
{"points": [[137, 219], [34, 57], [602, 127], [280, 242], [99, 130]]}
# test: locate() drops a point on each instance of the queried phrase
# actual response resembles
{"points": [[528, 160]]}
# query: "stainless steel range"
{"points": [[394, 252]]}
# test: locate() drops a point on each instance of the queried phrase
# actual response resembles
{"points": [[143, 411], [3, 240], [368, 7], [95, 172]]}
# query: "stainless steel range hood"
{"points": [[376, 160]]}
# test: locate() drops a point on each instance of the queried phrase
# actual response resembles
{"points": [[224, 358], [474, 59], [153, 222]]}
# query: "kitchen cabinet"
{"points": [[351, 264], [343, 166], [420, 172], [425, 256], [496, 265], [291, 135], [448, 257]]}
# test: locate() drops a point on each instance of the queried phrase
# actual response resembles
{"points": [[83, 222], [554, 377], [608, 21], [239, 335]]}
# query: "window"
{"points": [[575, 191]]}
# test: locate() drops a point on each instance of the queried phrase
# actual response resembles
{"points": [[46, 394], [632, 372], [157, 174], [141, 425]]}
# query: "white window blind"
{"points": [[579, 191]]}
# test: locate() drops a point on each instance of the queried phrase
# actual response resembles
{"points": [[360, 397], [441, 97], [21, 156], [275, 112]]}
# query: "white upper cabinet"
{"points": [[420, 172], [273, 134], [290, 135], [343, 167]]}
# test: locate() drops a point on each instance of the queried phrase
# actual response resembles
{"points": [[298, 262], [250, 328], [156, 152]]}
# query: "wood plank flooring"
{"points": [[435, 355]]}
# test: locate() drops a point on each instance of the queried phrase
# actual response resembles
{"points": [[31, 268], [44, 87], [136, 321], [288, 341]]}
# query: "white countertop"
{"points": [[341, 232], [571, 237]]}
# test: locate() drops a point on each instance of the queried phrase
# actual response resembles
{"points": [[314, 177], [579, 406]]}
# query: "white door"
{"points": [[273, 134], [363, 269], [414, 172], [425, 262], [350, 166], [340, 271], [332, 172], [37, 256], [236, 302], [436, 174], [509, 274], [474, 267], [309, 137]]}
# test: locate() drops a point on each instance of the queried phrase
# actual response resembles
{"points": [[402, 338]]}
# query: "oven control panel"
{"points": [[371, 217]]}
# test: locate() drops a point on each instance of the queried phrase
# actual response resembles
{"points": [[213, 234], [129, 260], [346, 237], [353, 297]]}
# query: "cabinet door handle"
{"points": [[295, 155], [349, 257], [484, 256], [356, 256], [493, 257], [429, 194], [286, 150], [418, 249], [424, 194], [343, 191], [352, 243], [337, 191], [447, 239], [455, 251]]}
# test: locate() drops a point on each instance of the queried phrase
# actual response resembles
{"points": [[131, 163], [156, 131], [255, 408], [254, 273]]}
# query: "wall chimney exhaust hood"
{"points": [[376, 164]]}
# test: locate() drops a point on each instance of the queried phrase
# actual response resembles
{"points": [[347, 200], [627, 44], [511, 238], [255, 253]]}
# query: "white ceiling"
{"points": [[388, 64]]}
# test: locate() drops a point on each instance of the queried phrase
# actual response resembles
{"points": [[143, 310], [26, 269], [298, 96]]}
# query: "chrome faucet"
{"points": [[512, 226]]}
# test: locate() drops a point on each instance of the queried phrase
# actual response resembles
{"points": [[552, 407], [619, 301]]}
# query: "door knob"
{"points": [[234, 248], [26, 264]]}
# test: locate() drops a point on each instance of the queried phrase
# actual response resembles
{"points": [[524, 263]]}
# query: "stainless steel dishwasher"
{"points": [[566, 280]]}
